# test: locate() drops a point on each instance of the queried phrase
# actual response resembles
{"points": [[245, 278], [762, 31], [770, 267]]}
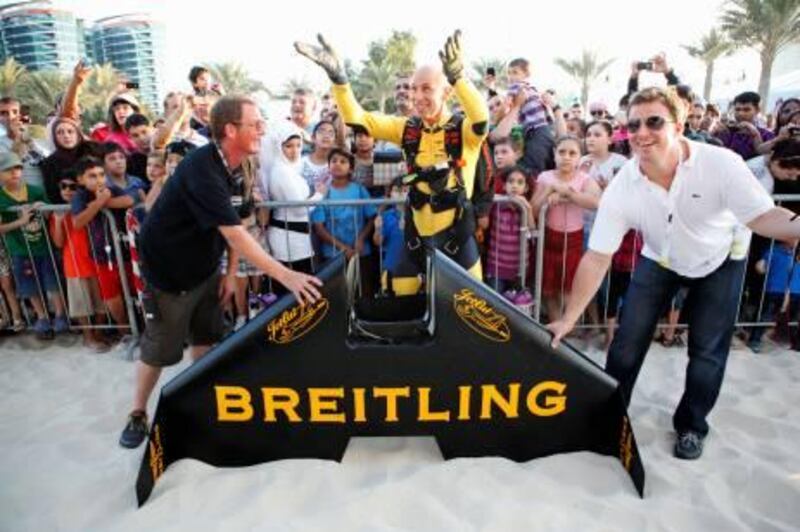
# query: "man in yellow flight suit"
{"points": [[441, 152]]}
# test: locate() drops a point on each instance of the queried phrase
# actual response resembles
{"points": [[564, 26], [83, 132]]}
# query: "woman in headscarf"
{"points": [[289, 232], [70, 146]]}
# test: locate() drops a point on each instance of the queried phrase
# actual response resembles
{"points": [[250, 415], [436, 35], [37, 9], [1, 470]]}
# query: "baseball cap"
{"points": [[9, 160]]}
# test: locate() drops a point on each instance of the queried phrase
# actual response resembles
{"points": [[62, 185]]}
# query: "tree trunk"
{"points": [[767, 58], [382, 103], [585, 95], [709, 81]]}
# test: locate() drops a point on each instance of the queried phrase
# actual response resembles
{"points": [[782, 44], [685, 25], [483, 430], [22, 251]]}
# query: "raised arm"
{"points": [[380, 126]]}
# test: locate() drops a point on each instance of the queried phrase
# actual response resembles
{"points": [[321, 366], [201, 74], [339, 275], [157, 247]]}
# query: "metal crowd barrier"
{"points": [[754, 306], [114, 241]]}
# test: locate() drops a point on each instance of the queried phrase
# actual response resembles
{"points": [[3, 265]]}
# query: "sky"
{"points": [[260, 35]]}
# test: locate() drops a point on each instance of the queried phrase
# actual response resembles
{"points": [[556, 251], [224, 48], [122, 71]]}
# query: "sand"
{"points": [[61, 468]]}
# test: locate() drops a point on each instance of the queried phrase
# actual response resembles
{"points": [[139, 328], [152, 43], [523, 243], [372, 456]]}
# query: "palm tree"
{"points": [[483, 64], [584, 71], [377, 81], [712, 46], [235, 78], [11, 73], [765, 25], [40, 90], [291, 85]]}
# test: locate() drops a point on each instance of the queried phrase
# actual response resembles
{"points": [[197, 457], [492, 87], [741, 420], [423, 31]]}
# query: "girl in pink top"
{"points": [[567, 192]]}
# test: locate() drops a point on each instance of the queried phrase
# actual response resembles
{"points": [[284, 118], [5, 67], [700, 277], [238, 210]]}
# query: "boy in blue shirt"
{"points": [[389, 229]]}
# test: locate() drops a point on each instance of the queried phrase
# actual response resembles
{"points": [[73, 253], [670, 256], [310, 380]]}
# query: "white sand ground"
{"points": [[61, 410]]}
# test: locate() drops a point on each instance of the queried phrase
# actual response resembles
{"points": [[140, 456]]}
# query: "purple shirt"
{"points": [[742, 142], [532, 114]]}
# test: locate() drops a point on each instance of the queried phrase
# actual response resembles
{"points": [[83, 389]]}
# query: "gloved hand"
{"points": [[325, 57], [451, 58]]}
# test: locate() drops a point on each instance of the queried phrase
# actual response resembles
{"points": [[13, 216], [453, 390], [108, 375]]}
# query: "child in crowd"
{"points": [[141, 132], [363, 150], [346, 229], [94, 195], [116, 165], [532, 117], [390, 230], [315, 167], [601, 165], [289, 231], [779, 264], [506, 154], [156, 175], [622, 265], [83, 290], [176, 151], [26, 240], [11, 304], [566, 191], [502, 266]]}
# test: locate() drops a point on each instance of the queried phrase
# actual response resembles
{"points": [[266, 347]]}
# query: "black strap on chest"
{"points": [[441, 198]]}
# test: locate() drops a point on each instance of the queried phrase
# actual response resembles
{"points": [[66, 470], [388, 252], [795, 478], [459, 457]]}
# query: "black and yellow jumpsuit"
{"points": [[432, 152]]}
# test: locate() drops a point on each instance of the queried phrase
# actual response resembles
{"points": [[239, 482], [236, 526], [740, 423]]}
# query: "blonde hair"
{"points": [[668, 97]]}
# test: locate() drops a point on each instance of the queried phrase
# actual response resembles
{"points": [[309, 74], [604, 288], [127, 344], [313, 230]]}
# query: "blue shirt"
{"points": [[98, 228], [393, 239], [344, 223], [781, 271]]}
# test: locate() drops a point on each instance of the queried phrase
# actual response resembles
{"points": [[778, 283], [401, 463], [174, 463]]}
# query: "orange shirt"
{"points": [[76, 252]]}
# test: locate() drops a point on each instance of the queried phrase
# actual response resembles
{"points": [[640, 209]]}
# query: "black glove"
{"points": [[325, 57], [451, 58]]}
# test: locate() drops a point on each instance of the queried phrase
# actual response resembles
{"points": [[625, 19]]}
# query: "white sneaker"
{"points": [[240, 321]]}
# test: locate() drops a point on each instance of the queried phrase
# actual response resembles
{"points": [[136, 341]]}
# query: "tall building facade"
{"points": [[134, 44], [40, 36]]}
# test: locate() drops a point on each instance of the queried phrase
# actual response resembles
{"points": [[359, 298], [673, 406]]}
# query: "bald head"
{"points": [[430, 90], [430, 74]]}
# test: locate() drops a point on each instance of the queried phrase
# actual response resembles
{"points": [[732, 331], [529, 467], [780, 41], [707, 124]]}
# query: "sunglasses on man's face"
{"points": [[653, 123], [598, 113], [405, 86], [69, 186]]}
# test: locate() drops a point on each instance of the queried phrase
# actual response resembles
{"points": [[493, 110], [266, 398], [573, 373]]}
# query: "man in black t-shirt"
{"points": [[182, 242]]}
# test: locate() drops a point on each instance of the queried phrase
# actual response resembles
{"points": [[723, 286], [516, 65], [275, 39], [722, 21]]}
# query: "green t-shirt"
{"points": [[32, 232]]}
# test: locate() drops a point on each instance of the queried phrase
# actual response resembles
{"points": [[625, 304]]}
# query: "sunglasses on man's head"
{"points": [[653, 123], [68, 186]]}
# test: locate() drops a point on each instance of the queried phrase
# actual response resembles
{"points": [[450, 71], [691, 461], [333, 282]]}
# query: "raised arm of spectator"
{"points": [[172, 124], [559, 123], [507, 123], [69, 104]]}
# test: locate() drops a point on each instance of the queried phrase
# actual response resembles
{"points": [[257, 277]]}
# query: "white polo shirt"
{"points": [[690, 228]]}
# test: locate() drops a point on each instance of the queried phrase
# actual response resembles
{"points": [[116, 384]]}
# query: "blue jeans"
{"points": [[711, 312]]}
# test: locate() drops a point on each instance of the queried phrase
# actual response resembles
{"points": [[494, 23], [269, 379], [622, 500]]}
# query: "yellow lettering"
{"points": [[490, 395], [391, 395], [284, 399], [553, 404], [359, 415], [323, 405], [464, 393], [425, 413], [233, 403]]}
